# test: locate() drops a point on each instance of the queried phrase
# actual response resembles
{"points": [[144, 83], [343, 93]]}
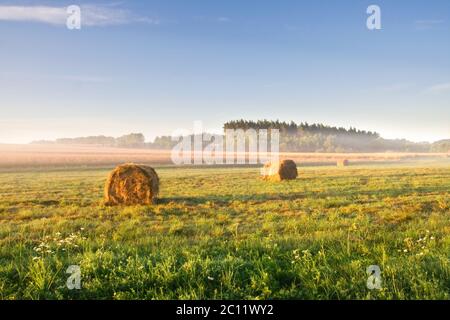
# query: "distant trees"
{"points": [[302, 137], [305, 137], [164, 142], [441, 146], [133, 140], [100, 140], [294, 128]]}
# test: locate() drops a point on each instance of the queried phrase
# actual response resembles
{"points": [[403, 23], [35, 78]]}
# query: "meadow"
{"points": [[223, 233]]}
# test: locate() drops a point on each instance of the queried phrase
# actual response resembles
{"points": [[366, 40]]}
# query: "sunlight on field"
{"points": [[225, 233], [51, 156]]}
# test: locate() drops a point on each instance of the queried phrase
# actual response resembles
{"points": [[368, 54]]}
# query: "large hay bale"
{"points": [[132, 184], [277, 171], [342, 163]]}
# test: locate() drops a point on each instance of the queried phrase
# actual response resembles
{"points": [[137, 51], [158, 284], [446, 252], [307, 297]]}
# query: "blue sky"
{"points": [[156, 66]]}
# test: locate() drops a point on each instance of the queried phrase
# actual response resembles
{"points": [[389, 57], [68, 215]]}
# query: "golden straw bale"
{"points": [[342, 163], [132, 184], [278, 171]]}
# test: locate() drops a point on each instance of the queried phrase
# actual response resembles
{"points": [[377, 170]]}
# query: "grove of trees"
{"points": [[132, 140], [302, 137]]}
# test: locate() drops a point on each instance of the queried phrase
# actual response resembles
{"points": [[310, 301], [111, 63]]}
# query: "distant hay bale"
{"points": [[132, 184], [277, 171], [342, 163]]}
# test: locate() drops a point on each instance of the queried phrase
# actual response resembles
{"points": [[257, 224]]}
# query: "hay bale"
{"points": [[278, 171], [342, 163], [132, 184]]}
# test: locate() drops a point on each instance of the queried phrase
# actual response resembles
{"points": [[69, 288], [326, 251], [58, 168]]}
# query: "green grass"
{"points": [[225, 234]]}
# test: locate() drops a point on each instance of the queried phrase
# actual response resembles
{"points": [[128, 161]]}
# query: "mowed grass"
{"points": [[226, 234]]}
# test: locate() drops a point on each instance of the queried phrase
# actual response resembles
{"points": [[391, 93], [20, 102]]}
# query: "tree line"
{"points": [[301, 137], [132, 140], [292, 128]]}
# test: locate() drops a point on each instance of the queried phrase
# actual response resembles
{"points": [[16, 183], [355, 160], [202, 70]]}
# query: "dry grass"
{"points": [[13, 156], [24, 156]]}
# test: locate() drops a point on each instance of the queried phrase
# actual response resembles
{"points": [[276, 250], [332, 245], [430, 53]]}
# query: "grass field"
{"points": [[226, 234]]}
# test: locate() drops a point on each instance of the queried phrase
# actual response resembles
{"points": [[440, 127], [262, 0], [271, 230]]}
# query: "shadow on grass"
{"points": [[290, 196]]}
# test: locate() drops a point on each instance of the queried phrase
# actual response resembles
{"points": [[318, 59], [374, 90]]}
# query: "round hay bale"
{"points": [[278, 171], [342, 163], [132, 184]]}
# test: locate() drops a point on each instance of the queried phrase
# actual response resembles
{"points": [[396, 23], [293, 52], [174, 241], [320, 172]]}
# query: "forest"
{"points": [[294, 137]]}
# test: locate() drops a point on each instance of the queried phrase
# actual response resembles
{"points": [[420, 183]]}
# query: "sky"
{"points": [[158, 66]]}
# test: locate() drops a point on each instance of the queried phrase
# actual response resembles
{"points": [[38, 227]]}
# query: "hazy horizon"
{"points": [[151, 137]]}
